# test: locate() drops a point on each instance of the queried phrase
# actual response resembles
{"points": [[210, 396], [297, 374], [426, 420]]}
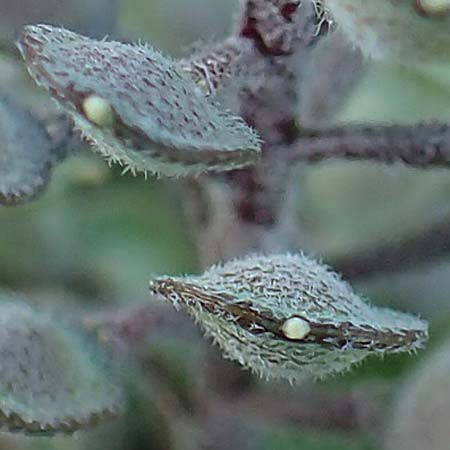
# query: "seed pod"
{"points": [[160, 120], [51, 381], [434, 7], [25, 155], [406, 31], [287, 316]]}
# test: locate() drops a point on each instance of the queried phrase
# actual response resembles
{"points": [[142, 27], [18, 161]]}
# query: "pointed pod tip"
{"points": [[289, 316]]}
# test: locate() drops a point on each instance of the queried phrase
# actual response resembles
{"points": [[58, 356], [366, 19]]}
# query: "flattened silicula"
{"points": [[287, 316], [158, 120], [51, 379], [25, 155]]}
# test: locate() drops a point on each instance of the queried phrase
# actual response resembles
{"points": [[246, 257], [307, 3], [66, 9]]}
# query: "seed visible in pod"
{"points": [[295, 328], [288, 316], [98, 111], [161, 121]]}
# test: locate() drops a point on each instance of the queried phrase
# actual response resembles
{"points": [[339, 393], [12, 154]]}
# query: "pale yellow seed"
{"points": [[435, 7], [295, 328], [98, 110]]}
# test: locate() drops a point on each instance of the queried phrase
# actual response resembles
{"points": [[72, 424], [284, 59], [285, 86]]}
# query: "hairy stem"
{"points": [[252, 215], [422, 145]]}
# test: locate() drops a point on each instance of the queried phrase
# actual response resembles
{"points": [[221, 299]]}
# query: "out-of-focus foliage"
{"points": [[395, 30], [291, 439], [421, 418], [92, 17], [94, 238], [178, 25]]}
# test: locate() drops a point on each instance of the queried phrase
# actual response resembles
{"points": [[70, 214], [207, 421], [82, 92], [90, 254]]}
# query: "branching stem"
{"points": [[422, 145]]}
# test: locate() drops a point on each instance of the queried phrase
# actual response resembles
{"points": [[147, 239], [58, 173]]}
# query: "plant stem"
{"points": [[421, 145]]}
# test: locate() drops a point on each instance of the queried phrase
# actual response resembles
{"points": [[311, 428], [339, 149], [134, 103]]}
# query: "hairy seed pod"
{"points": [[159, 120], [287, 316], [51, 379], [25, 154], [407, 31]]}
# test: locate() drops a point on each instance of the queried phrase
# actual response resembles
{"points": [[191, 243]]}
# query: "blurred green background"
{"points": [[94, 238]]}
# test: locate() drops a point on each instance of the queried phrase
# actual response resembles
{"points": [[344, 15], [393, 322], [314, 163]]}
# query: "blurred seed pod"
{"points": [[26, 154], [137, 106], [405, 31], [420, 419], [287, 316], [51, 379], [433, 7]]}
